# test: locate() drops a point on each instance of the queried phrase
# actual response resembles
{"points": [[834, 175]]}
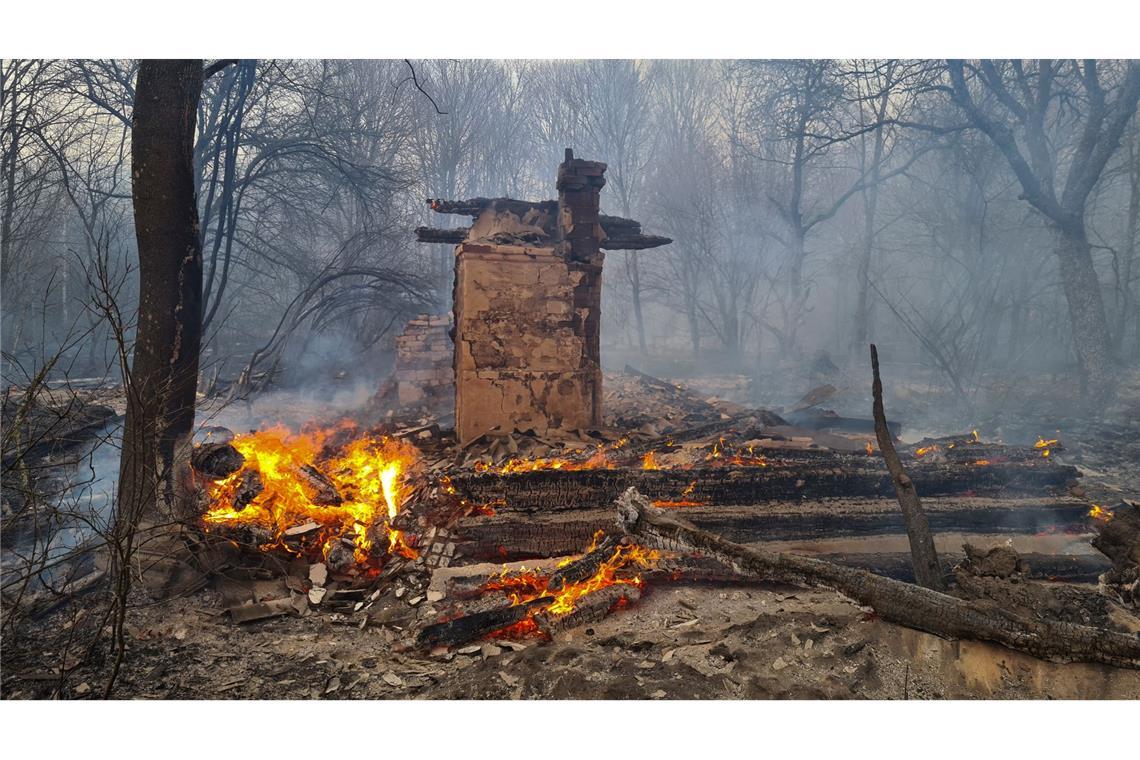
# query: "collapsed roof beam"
{"points": [[623, 242]]}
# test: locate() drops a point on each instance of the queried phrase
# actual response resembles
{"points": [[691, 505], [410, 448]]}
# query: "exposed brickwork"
{"points": [[527, 316], [424, 359]]}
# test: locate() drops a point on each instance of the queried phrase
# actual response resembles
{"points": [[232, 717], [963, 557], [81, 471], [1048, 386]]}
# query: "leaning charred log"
{"points": [[903, 603]]}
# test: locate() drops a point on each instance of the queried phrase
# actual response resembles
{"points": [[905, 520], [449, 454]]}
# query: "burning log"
{"points": [[1118, 539], [216, 460], [589, 609], [478, 624], [926, 568], [830, 476], [249, 488], [324, 491], [585, 567], [902, 603]]}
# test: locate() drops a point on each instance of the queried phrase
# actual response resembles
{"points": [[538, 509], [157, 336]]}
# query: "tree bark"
{"points": [[1086, 313], [163, 378]]}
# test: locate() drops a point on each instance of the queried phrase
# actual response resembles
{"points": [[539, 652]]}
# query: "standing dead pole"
{"points": [[927, 571]]}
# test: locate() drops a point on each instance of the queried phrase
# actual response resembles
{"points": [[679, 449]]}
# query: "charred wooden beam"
{"points": [[473, 207], [850, 476], [454, 236], [589, 609], [510, 535], [476, 625], [585, 567], [903, 603], [621, 241], [633, 242]]}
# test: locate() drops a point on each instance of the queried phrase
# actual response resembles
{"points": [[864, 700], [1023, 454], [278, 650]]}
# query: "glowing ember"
{"points": [[921, 452], [981, 462], [367, 473], [598, 461], [684, 501], [524, 585], [1100, 513]]}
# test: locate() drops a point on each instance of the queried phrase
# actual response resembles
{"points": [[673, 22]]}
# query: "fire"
{"points": [[923, 451], [365, 487], [981, 462], [1100, 513], [649, 462], [598, 461], [525, 585], [1045, 444], [684, 501], [870, 449]]}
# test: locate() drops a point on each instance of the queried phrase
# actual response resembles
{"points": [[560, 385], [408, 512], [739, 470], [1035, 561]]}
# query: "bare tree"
{"points": [[1057, 124]]}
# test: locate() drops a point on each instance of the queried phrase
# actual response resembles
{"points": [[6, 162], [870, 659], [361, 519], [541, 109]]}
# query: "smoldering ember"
{"points": [[690, 379]]}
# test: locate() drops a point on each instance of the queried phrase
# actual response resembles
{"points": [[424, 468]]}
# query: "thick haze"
{"points": [[814, 206]]}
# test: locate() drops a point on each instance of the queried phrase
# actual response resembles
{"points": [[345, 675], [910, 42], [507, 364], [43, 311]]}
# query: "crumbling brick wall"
{"points": [[521, 357], [424, 356]]}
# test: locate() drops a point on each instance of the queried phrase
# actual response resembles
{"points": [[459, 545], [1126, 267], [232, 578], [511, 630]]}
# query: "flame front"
{"points": [[367, 474]]}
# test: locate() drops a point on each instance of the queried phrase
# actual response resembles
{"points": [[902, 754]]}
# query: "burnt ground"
{"points": [[680, 642]]}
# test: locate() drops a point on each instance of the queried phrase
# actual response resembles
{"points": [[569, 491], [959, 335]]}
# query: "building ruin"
{"points": [[527, 305]]}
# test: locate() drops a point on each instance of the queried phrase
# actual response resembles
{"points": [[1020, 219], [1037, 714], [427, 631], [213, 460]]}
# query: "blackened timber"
{"points": [[454, 236], [585, 567], [476, 625], [506, 536], [902, 603], [473, 207], [585, 489], [633, 242], [613, 242]]}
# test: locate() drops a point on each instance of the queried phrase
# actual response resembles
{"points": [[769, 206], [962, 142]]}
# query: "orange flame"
{"points": [[1100, 513], [598, 461], [526, 585], [367, 473], [649, 462]]}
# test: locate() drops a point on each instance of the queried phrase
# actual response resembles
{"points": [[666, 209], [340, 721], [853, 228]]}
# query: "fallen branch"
{"points": [[903, 603]]}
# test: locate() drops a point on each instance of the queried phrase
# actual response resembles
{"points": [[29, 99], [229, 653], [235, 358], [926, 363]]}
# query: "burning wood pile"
{"points": [[513, 536]]}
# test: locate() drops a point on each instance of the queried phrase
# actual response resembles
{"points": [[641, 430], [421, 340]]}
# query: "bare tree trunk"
{"points": [[164, 371], [635, 292], [1124, 289], [1086, 312]]}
